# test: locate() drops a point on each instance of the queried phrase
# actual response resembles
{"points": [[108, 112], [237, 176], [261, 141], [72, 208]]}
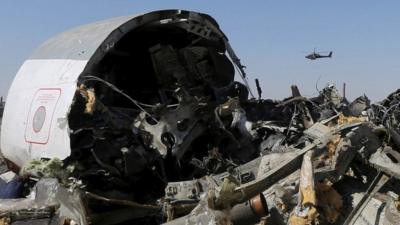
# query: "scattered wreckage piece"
{"points": [[375, 186], [49, 202]]}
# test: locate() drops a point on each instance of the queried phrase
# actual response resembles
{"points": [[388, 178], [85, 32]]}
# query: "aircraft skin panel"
{"points": [[79, 43], [39, 129], [35, 122]]}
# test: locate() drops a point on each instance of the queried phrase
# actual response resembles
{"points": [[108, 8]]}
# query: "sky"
{"points": [[270, 37]]}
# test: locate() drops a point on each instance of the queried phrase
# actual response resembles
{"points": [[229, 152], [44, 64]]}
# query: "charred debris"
{"points": [[161, 133]]}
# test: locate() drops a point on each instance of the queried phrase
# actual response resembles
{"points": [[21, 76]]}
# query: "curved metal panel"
{"points": [[47, 81]]}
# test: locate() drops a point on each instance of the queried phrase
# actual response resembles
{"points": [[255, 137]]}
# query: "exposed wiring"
{"points": [[395, 106], [246, 83], [316, 83], [295, 114], [104, 165], [238, 66], [113, 87]]}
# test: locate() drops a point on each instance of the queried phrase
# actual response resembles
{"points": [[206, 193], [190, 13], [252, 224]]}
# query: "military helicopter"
{"points": [[316, 55]]}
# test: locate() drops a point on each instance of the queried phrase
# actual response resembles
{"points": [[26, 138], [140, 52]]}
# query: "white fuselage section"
{"points": [[35, 123]]}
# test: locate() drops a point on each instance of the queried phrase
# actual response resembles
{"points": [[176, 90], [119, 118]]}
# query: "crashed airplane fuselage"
{"points": [[127, 102], [141, 55]]}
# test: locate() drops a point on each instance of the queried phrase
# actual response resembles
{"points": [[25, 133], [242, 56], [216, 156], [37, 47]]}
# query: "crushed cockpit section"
{"points": [[161, 133]]}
